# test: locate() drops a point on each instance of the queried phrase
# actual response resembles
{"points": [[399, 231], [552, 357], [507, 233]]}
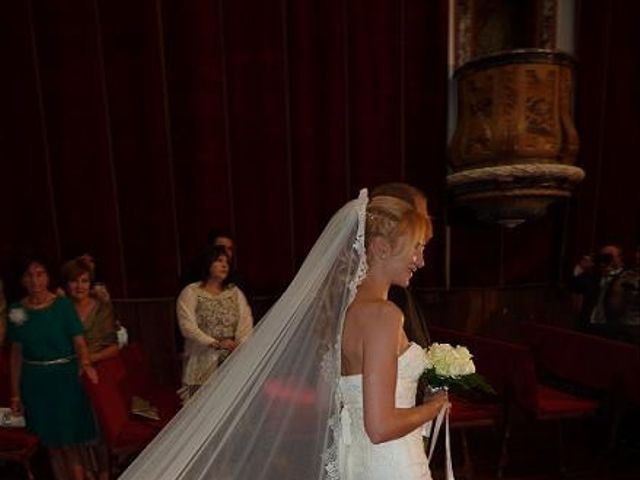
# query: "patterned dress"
{"points": [[57, 409], [204, 318]]}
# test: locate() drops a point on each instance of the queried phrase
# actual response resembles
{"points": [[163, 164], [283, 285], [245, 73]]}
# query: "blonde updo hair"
{"points": [[392, 219]]}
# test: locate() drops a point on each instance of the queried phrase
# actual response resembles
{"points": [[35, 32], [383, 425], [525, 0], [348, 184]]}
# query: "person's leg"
{"points": [[89, 459], [74, 462], [59, 464], [102, 457]]}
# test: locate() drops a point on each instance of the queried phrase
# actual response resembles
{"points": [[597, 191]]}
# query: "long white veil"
{"points": [[271, 412]]}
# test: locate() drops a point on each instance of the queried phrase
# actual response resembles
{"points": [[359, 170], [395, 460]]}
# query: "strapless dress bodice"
{"points": [[403, 458]]}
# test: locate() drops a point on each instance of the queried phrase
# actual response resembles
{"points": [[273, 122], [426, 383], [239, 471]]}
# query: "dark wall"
{"points": [[130, 128], [607, 206]]}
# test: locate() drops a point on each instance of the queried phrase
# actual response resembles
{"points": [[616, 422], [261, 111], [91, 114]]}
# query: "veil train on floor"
{"points": [[271, 412]]}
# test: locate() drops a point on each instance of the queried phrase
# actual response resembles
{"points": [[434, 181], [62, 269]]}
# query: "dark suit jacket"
{"points": [[415, 325], [589, 285]]}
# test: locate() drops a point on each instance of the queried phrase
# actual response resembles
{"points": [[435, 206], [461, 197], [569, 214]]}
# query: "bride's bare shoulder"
{"points": [[375, 312]]}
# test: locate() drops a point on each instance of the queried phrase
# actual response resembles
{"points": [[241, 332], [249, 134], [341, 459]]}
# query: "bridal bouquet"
{"points": [[453, 368]]}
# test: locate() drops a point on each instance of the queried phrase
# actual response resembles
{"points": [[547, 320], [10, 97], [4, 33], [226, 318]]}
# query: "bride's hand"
{"points": [[438, 399]]}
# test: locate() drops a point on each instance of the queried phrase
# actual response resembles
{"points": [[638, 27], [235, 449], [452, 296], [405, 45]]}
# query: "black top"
{"points": [[415, 325]]}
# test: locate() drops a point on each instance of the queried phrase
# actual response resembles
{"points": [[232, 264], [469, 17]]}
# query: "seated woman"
{"points": [[47, 351], [95, 312], [98, 289], [214, 318]]}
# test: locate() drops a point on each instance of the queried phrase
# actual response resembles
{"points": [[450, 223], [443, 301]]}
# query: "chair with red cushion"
{"points": [[511, 370], [538, 401], [468, 413], [124, 433], [545, 403], [16, 444], [588, 361], [140, 382]]}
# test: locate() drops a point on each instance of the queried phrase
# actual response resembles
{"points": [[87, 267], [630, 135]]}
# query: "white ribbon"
{"points": [[345, 442], [443, 414], [345, 420]]}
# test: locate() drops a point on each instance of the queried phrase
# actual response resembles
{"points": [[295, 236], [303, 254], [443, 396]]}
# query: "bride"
{"points": [[380, 367], [325, 387]]}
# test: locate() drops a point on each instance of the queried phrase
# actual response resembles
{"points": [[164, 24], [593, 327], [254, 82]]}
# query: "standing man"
{"points": [[624, 300], [592, 280], [215, 238]]}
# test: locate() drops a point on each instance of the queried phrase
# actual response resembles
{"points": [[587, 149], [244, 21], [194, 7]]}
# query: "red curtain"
{"points": [[128, 129], [606, 208], [132, 128]]}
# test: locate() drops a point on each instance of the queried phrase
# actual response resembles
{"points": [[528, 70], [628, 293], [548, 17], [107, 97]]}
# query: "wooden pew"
{"points": [[510, 369], [466, 413], [589, 361]]}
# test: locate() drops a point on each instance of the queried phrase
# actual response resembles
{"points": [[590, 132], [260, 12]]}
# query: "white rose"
{"points": [[449, 361], [429, 363], [466, 366], [17, 316], [436, 354]]}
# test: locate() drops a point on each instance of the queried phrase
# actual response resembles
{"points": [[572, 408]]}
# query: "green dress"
{"points": [[56, 406]]}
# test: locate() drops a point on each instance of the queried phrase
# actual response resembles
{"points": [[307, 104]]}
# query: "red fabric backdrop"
{"points": [[130, 128]]}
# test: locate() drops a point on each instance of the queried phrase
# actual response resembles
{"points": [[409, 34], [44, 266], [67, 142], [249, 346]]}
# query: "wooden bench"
{"points": [[590, 361], [510, 369]]}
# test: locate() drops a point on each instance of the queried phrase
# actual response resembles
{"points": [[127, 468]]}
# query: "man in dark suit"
{"points": [[592, 280]]}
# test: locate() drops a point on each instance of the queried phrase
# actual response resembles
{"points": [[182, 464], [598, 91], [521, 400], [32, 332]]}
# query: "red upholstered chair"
{"points": [[511, 370], [467, 413], [16, 444], [589, 361], [124, 433], [538, 401], [141, 382]]}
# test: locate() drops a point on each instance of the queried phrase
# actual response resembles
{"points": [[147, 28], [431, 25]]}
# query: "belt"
{"points": [[55, 361]]}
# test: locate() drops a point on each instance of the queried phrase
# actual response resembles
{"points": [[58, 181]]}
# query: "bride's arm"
{"points": [[382, 420]]}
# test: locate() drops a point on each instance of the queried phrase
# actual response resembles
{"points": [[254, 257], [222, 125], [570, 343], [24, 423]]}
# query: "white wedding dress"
{"points": [[403, 458], [273, 412]]}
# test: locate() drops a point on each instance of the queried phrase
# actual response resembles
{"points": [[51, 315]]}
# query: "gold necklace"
{"points": [[31, 303]]}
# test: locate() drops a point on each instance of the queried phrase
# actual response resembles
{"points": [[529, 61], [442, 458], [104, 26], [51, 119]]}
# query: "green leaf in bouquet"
{"points": [[472, 383]]}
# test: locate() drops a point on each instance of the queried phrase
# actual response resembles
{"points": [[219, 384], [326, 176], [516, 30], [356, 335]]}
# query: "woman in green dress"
{"points": [[48, 350]]}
